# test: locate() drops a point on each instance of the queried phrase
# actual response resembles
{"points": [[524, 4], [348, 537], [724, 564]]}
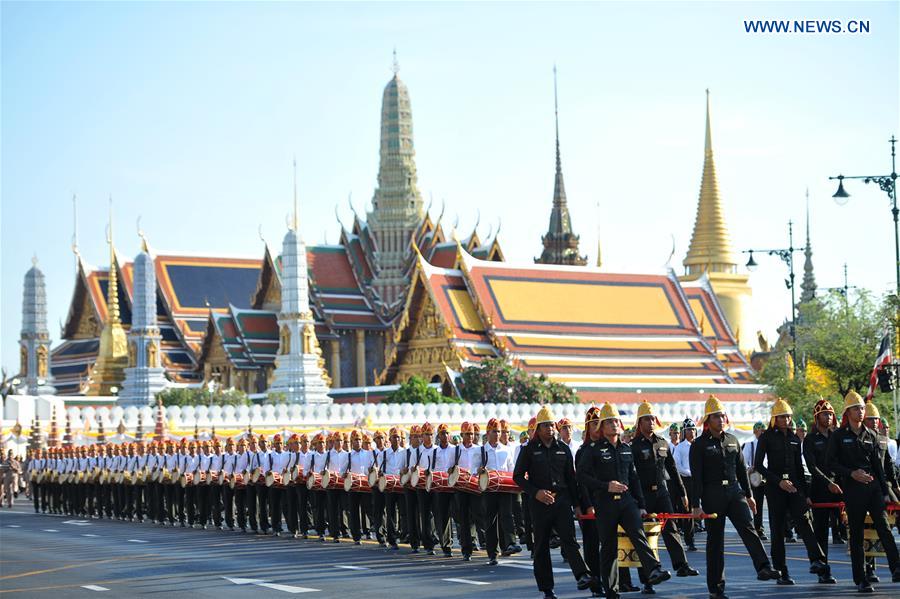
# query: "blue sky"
{"points": [[189, 115]]}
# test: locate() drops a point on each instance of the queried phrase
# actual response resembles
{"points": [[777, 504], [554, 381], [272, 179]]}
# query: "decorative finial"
{"points": [[396, 66], [34, 260], [75, 227], [708, 146], [144, 246], [556, 112]]}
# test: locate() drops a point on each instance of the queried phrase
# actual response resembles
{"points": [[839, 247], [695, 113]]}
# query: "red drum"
{"points": [[404, 478], [201, 479], [274, 479], [357, 483], [332, 481], [461, 479], [296, 476], [390, 483], [373, 477], [255, 475], [186, 479], [221, 478], [314, 481], [437, 482], [496, 481], [237, 481], [417, 478]]}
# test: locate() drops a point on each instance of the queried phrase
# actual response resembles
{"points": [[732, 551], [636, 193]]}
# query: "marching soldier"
{"points": [[777, 459], [337, 463], [34, 470], [423, 497], [262, 495], [290, 487], [378, 499], [392, 460], [303, 496], [823, 488], [216, 461], [655, 467], [545, 471], [441, 460], [413, 523], [721, 486], [600, 469], [170, 465], [360, 461], [202, 492], [242, 502], [278, 462], [318, 462], [873, 421], [497, 506], [852, 454], [251, 490], [229, 462]]}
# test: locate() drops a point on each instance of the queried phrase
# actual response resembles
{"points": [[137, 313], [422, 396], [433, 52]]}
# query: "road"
{"points": [[53, 556]]}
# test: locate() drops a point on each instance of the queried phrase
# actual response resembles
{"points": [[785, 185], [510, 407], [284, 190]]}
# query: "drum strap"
{"points": [[327, 459], [433, 459], [484, 457], [458, 452]]}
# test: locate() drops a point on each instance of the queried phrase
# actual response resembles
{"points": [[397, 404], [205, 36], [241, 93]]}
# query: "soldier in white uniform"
{"points": [[393, 460], [278, 463], [360, 461], [497, 506]]}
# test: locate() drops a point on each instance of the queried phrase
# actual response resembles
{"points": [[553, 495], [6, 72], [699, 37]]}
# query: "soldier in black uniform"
{"points": [[722, 487], [786, 489], [657, 473], [822, 489], [873, 421], [544, 471], [852, 454], [601, 467]]}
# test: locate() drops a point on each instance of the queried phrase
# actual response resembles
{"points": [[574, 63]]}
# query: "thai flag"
{"points": [[884, 357]]}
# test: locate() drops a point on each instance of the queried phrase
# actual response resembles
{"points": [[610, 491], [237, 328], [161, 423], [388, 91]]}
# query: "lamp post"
{"points": [[787, 256], [888, 184]]}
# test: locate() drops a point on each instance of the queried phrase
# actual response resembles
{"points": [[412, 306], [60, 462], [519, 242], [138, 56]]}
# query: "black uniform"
{"points": [[890, 477], [721, 486], [600, 463], [550, 468], [656, 469], [814, 447], [848, 451], [784, 463]]}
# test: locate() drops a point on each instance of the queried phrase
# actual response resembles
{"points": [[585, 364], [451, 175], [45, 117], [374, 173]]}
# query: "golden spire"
{"points": [[112, 292], [710, 248]]}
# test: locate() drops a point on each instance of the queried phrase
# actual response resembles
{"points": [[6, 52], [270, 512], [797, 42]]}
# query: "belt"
{"points": [[785, 476]]}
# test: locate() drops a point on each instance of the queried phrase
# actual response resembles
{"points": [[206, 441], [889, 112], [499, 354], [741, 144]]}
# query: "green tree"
{"points": [[417, 390], [837, 342], [194, 396], [496, 381]]}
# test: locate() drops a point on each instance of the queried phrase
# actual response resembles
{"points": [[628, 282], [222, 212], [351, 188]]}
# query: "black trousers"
{"points": [[546, 520], [250, 492], [228, 505], [412, 519], [659, 501], [759, 496], [687, 525], [443, 505], [36, 496], [612, 513], [360, 508], [728, 502], [392, 502], [821, 517], [276, 503], [203, 507], [782, 504], [240, 507], [190, 503], [859, 499], [262, 506], [497, 521], [465, 520], [590, 538], [171, 502], [426, 519], [302, 495], [215, 503], [320, 499], [378, 507], [137, 501]]}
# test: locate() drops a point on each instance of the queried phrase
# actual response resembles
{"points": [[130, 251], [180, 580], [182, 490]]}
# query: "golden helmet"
{"points": [[646, 409], [608, 411], [713, 406], [780, 408], [852, 399], [872, 410], [544, 415]]}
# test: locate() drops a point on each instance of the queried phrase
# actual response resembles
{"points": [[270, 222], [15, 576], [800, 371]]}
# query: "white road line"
{"points": [[271, 585], [90, 535], [50, 530], [137, 541], [93, 587], [525, 566], [465, 581], [14, 526], [352, 567]]}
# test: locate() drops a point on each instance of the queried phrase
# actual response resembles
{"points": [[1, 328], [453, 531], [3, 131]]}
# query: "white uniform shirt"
{"points": [[317, 461], [242, 462], [749, 450], [393, 461], [360, 461], [442, 458], [215, 462], [682, 457], [170, 462], [279, 460], [467, 456], [228, 463], [493, 458], [338, 460], [203, 464]]}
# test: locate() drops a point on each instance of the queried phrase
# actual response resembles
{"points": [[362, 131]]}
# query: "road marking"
{"points": [[14, 526], [352, 567], [88, 535], [465, 581], [525, 566], [271, 585], [94, 587], [50, 530], [77, 522], [137, 541]]}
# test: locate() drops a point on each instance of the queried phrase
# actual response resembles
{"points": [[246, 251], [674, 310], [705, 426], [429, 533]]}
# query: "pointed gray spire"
{"points": [[808, 286], [35, 337]]}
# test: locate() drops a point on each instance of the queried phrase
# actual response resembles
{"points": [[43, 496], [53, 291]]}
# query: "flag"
{"points": [[884, 357]]}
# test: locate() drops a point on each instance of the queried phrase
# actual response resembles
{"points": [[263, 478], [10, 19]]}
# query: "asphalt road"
{"points": [[53, 556]]}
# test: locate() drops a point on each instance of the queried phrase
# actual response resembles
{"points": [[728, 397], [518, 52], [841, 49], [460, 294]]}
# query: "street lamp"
{"points": [[787, 256], [888, 184]]}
